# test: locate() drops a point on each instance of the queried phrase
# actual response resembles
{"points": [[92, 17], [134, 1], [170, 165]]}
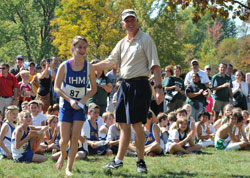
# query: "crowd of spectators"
{"points": [[199, 110]]}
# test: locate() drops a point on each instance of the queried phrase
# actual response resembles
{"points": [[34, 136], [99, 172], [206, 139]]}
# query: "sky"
{"points": [[237, 21]]}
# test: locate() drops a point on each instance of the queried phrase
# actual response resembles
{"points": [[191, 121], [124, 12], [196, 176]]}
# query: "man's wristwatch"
{"points": [[158, 86]]}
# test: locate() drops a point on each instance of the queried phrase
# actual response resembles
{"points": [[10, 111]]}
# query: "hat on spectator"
{"points": [[194, 60], [207, 67], [32, 63], [19, 57], [93, 106], [128, 12]]}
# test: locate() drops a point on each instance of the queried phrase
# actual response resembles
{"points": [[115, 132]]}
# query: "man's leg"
{"points": [[139, 140], [124, 140]]}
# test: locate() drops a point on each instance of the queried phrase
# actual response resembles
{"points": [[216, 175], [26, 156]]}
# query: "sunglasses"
{"points": [[195, 64], [44, 65], [208, 69], [2, 67]]}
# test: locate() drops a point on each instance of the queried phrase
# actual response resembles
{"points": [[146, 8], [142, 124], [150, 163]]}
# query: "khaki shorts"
{"points": [[219, 105]]}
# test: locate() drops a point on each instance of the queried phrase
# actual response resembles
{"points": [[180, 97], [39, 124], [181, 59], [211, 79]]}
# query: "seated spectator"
{"points": [[171, 119], [7, 129], [226, 110], [53, 110], [113, 140], [21, 142], [183, 113], [91, 133], [109, 120], [203, 135], [25, 106], [52, 136], [163, 124], [152, 137], [225, 138], [38, 119], [181, 139], [188, 108]]}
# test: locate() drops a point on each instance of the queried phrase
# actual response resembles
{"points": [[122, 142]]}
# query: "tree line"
{"points": [[181, 29]]}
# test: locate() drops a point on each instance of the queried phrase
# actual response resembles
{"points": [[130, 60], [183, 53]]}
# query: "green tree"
{"points": [[24, 28], [97, 20]]}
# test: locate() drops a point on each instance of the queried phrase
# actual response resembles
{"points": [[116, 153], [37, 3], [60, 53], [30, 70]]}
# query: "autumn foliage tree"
{"points": [[97, 20]]}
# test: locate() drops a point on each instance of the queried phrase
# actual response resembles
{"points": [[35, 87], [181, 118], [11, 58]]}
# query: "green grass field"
{"points": [[210, 163]]}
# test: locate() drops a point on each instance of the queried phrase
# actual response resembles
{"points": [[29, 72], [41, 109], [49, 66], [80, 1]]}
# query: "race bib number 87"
{"points": [[74, 92]]}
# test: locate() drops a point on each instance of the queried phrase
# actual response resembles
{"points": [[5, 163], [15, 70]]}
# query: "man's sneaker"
{"points": [[113, 165], [141, 166]]}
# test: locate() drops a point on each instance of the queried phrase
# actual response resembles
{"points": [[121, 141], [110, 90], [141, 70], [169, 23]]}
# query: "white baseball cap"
{"points": [[128, 12]]}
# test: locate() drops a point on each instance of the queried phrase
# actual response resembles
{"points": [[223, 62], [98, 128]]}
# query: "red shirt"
{"points": [[25, 88], [7, 84]]}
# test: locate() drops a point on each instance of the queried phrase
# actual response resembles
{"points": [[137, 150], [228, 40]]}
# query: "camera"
{"points": [[48, 60]]}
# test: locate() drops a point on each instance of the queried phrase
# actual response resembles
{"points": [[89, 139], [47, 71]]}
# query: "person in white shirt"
{"points": [[38, 119], [195, 69], [241, 87]]}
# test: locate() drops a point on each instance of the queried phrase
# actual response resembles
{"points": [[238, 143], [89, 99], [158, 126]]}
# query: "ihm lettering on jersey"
{"points": [[76, 80]]}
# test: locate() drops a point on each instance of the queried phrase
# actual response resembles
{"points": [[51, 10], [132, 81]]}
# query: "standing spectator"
{"points": [[196, 92], [136, 55], [207, 69], [18, 67], [175, 87], [240, 91], [166, 82], [112, 75], [104, 87], [8, 92], [222, 85], [229, 72], [45, 80], [32, 70], [195, 68], [55, 63], [26, 89]]}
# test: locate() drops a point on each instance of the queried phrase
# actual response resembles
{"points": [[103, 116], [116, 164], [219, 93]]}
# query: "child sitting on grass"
{"points": [[181, 138], [109, 119], [22, 139], [52, 134], [225, 138], [91, 132], [7, 129], [226, 111], [163, 124], [203, 135], [152, 137]]}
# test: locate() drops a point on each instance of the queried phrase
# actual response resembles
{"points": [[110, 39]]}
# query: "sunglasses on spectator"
{"points": [[2, 67], [195, 64], [208, 68], [44, 65]]}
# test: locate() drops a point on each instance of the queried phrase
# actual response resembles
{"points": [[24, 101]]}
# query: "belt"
{"points": [[136, 78], [6, 96]]}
